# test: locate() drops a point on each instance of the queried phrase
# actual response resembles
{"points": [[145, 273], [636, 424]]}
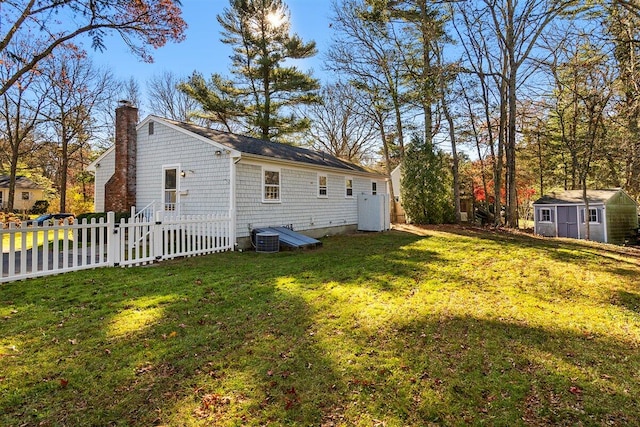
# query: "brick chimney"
{"points": [[120, 190]]}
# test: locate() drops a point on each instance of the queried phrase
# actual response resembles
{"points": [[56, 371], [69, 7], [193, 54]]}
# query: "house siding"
{"points": [[596, 230], [103, 172], [547, 229], [622, 218], [19, 204], [299, 205], [205, 188]]}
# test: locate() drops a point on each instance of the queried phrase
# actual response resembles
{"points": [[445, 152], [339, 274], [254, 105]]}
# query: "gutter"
{"points": [[265, 159]]}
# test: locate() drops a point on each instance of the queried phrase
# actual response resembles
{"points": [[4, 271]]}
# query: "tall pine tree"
{"points": [[264, 85]]}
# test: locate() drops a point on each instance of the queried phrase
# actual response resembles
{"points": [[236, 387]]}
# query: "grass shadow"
{"points": [[209, 337], [466, 370], [564, 250], [398, 327], [628, 300], [204, 345]]}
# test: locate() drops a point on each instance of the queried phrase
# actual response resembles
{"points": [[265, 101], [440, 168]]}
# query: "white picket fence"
{"points": [[33, 251]]}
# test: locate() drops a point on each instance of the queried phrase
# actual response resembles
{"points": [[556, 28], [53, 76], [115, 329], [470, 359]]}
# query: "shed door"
{"points": [[568, 221]]}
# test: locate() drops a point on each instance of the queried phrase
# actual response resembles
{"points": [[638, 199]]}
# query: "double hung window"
{"points": [[322, 186], [271, 185], [348, 186]]}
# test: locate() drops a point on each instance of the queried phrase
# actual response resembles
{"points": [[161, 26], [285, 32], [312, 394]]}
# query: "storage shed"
{"points": [[612, 216]]}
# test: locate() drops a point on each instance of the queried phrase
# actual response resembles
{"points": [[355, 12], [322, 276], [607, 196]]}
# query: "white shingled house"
{"points": [[182, 168]]}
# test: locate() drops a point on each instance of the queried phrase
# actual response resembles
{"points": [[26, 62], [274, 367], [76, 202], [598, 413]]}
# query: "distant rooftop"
{"points": [[21, 182]]}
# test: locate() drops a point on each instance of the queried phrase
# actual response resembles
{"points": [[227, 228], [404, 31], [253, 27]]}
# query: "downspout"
{"points": [[232, 201], [555, 218], [604, 223]]}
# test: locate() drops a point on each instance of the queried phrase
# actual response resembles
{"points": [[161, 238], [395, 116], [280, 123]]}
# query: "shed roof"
{"points": [[575, 197], [21, 182], [276, 150]]}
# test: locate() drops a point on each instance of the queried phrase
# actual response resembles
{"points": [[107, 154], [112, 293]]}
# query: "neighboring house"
{"points": [[26, 193], [184, 169], [396, 176], [466, 203], [612, 216]]}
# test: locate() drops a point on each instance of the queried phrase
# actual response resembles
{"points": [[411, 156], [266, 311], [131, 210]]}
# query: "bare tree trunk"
{"points": [[13, 169], [454, 155], [64, 170], [511, 212], [476, 137], [387, 158], [586, 211]]}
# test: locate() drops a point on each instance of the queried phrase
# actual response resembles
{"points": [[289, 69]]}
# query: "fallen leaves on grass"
{"points": [[575, 390], [211, 403], [173, 334], [291, 399], [144, 369]]}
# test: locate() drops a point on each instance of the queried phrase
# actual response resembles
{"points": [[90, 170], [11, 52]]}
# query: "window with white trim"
{"points": [[348, 187], [594, 215], [271, 185], [545, 215], [170, 188], [374, 188], [322, 186]]}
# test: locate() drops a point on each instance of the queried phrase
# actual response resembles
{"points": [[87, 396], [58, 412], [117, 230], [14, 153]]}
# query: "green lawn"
{"points": [[446, 326], [29, 235]]}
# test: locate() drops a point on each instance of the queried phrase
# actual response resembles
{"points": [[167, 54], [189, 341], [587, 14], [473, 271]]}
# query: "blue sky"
{"points": [[202, 50]]}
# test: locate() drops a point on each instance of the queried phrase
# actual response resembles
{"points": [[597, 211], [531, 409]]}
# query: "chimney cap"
{"points": [[125, 102]]}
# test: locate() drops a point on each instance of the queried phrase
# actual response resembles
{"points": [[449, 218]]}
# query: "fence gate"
{"points": [[141, 242]]}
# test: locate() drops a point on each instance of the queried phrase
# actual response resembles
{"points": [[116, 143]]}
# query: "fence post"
{"points": [[113, 240], [158, 236]]}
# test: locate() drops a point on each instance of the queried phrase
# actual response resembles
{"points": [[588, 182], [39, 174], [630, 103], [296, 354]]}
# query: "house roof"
{"points": [[574, 197], [21, 183], [274, 150]]}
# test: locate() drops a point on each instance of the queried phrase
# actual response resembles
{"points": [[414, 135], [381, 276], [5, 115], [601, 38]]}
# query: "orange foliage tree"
{"points": [[483, 189]]}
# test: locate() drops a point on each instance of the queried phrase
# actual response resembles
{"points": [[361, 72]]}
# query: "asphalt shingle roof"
{"points": [[575, 197], [260, 147], [21, 182]]}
